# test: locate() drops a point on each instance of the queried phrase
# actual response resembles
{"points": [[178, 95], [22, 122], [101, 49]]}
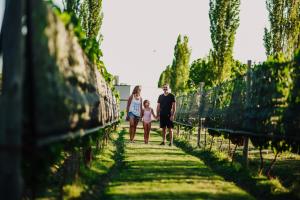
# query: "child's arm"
{"points": [[153, 113], [142, 115]]}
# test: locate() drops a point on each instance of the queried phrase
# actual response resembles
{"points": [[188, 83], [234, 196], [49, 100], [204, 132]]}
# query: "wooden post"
{"points": [[205, 138], [11, 99], [246, 139], [229, 148], [178, 130], [199, 116], [199, 132]]}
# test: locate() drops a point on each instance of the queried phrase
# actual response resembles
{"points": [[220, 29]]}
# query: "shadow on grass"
{"points": [[180, 195], [259, 187]]}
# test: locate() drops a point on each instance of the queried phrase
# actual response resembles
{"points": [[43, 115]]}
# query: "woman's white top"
{"points": [[135, 106]]}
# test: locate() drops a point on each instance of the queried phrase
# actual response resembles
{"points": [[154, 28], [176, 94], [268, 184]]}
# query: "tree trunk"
{"points": [[233, 153], [211, 143], [229, 149], [271, 166], [246, 152], [261, 161], [221, 145], [204, 139]]}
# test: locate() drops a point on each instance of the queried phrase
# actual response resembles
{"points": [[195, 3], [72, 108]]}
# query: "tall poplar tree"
{"points": [[165, 77], [282, 37], [95, 17], [72, 6], [90, 14], [224, 22], [180, 66]]}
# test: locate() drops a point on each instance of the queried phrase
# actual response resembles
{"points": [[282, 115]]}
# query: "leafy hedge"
{"points": [[265, 102]]}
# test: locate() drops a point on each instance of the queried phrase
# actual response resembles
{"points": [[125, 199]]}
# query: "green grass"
{"points": [[286, 168], [103, 167], [162, 172], [258, 186]]}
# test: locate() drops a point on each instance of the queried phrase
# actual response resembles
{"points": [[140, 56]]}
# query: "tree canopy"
{"points": [[224, 22], [283, 35]]}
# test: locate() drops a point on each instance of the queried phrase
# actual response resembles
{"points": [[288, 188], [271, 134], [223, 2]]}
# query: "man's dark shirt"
{"points": [[166, 102]]}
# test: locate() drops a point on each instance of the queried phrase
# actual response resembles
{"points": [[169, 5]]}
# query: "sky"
{"points": [[140, 35]]}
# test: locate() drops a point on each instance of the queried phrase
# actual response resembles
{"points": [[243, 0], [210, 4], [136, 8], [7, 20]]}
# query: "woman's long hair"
{"points": [[135, 90]]}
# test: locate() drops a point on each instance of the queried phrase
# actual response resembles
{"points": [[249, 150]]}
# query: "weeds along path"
{"points": [[162, 172]]}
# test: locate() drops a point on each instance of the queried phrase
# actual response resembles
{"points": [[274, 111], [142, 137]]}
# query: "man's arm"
{"points": [[158, 110], [173, 111]]}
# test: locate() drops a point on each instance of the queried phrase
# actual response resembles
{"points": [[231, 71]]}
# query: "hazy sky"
{"points": [[139, 35]]}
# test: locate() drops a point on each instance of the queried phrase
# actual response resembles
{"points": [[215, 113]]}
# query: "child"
{"points": [[147, 113]]}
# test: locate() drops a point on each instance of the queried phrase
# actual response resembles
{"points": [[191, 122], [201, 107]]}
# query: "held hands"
{"points": [[172, 118]]}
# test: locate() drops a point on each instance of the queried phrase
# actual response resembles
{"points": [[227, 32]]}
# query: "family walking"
{"points": [[137, 110]]}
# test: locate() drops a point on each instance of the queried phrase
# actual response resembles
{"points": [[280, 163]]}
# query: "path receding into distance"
{"points": [[162, 172]]}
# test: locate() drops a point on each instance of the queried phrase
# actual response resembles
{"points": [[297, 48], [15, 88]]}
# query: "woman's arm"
{"points": [[128, 103], [141, 107]]}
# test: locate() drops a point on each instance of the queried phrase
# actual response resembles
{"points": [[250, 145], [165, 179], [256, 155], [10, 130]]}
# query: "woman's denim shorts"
{"points": [[132, 116]]}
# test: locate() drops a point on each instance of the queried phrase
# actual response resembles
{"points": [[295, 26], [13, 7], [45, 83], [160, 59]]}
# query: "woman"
{"points": [[134, 110]]}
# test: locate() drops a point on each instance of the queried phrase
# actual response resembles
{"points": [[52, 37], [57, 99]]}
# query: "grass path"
{"points": [[162, 172]]}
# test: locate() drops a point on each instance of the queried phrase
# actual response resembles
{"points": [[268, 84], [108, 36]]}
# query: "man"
{"points": [[166, 107]]}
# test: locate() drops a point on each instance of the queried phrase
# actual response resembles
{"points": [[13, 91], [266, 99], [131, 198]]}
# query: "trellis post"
{"points": [[201, 86], [246, 138], [11, 119]]}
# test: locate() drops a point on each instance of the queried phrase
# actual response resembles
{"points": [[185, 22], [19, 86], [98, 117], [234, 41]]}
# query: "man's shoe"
{"points": [[163, 143], [170, 144]]}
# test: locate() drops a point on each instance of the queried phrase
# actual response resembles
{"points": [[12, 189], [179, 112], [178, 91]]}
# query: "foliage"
{"points": [[91, 17], [201, 71], [180, 65], [284, 33], [90, 45], [224, 21], [81, 183], [39, 162], [165, 77], [291, 116], [178, 73], [89, 13], [265, 102], [72, 6]]}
